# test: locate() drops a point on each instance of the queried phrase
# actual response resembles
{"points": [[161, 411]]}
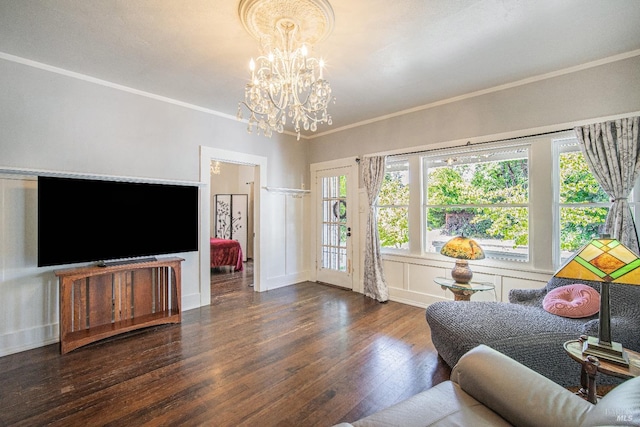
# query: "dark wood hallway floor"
{"points": [[302, 355]]}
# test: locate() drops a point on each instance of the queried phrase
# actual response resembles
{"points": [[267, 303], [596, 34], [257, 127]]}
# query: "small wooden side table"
{"points": [[592, 365], [463, 291]]}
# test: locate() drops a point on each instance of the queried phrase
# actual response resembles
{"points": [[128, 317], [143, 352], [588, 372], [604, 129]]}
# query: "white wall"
{"points": [[54, 122], [549, 104]]}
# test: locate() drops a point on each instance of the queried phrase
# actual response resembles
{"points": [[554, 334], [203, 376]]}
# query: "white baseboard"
{"points": [[416, 299], [27, 339], [286, 280], [190, 301]]}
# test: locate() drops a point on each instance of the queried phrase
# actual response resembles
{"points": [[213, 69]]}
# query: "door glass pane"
{"points": [[334, 223]]}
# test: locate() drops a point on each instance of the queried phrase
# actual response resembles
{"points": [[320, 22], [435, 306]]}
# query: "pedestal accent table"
{"points": [[591, 365], [463, 291]]}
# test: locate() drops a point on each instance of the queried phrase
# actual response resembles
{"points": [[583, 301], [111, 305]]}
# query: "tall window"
{"points": [[582, 204], [483, 195], [484, 190], [393, 205]]}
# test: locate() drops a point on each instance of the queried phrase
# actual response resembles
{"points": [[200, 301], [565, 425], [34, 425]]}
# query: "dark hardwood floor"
{"points": [[303, 355]]}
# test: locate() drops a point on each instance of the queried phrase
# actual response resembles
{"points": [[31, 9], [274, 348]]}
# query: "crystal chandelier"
{"points": [[287, 85], [215, 167]]}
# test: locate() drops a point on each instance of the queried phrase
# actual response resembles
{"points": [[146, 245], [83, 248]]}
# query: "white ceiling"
{"points": [[384, 56]]}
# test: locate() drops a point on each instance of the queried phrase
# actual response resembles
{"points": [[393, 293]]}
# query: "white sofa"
{"points": [[488, 388]]}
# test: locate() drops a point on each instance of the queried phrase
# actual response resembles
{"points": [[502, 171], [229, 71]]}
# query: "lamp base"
{"points": [[461, 272], [613, 352]]}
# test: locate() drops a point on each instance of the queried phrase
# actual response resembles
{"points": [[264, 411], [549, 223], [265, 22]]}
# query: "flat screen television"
{"points": [[86, 220]]}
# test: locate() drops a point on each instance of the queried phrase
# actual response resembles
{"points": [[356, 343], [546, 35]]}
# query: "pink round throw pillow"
{"points": [[573, 301]]}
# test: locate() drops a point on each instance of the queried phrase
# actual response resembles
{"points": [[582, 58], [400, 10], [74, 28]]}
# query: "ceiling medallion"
{"points": [[286, 83]]}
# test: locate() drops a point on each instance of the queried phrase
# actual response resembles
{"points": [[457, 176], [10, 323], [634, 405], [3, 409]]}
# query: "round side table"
{"points": [[462, 291], [592, 365]]}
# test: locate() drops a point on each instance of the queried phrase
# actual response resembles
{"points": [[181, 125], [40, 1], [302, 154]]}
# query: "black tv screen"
{"points": [[86, 220]]}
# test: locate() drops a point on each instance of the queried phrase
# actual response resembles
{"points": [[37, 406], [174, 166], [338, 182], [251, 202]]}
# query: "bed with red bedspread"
{"points": [[226, 252]]}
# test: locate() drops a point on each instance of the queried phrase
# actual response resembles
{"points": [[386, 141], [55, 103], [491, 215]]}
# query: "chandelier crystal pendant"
{"points": [[287, 85], [215, 167]]}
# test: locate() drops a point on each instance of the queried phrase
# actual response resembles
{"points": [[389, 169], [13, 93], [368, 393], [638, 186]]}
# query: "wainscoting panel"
{"points": [[276, 267], [509, 283], [29, 295], [421, 279], [410, 279], [494, 295], [394, 273], [294, 233], [287, 244]]}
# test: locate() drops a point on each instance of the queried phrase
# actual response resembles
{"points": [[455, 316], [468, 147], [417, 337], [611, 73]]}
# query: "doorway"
{"points": [[232, 200], [231, 197], [225, 282], [258, 167]]}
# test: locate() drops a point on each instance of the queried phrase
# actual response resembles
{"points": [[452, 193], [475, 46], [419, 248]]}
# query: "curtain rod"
{"points": [[469, 144]]}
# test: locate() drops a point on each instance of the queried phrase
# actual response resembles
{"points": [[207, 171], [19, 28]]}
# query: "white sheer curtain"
{"points": [[612, 151], [375, 285]]}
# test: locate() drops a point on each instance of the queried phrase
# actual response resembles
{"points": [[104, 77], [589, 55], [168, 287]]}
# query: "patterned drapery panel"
{"points": [[611, 150], [375, 285]]}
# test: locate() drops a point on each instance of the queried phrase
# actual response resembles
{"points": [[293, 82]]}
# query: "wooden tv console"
{"points": [[99, 302]]}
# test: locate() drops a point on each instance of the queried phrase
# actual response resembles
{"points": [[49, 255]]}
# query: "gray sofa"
{"points": [[524, 331], [489, 389]]}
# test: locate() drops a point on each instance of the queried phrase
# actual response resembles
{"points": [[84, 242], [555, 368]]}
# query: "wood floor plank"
{"points": [[307, 354]]}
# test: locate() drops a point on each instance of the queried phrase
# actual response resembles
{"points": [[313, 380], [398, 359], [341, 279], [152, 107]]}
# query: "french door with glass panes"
{"points": [[334, 210]]}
